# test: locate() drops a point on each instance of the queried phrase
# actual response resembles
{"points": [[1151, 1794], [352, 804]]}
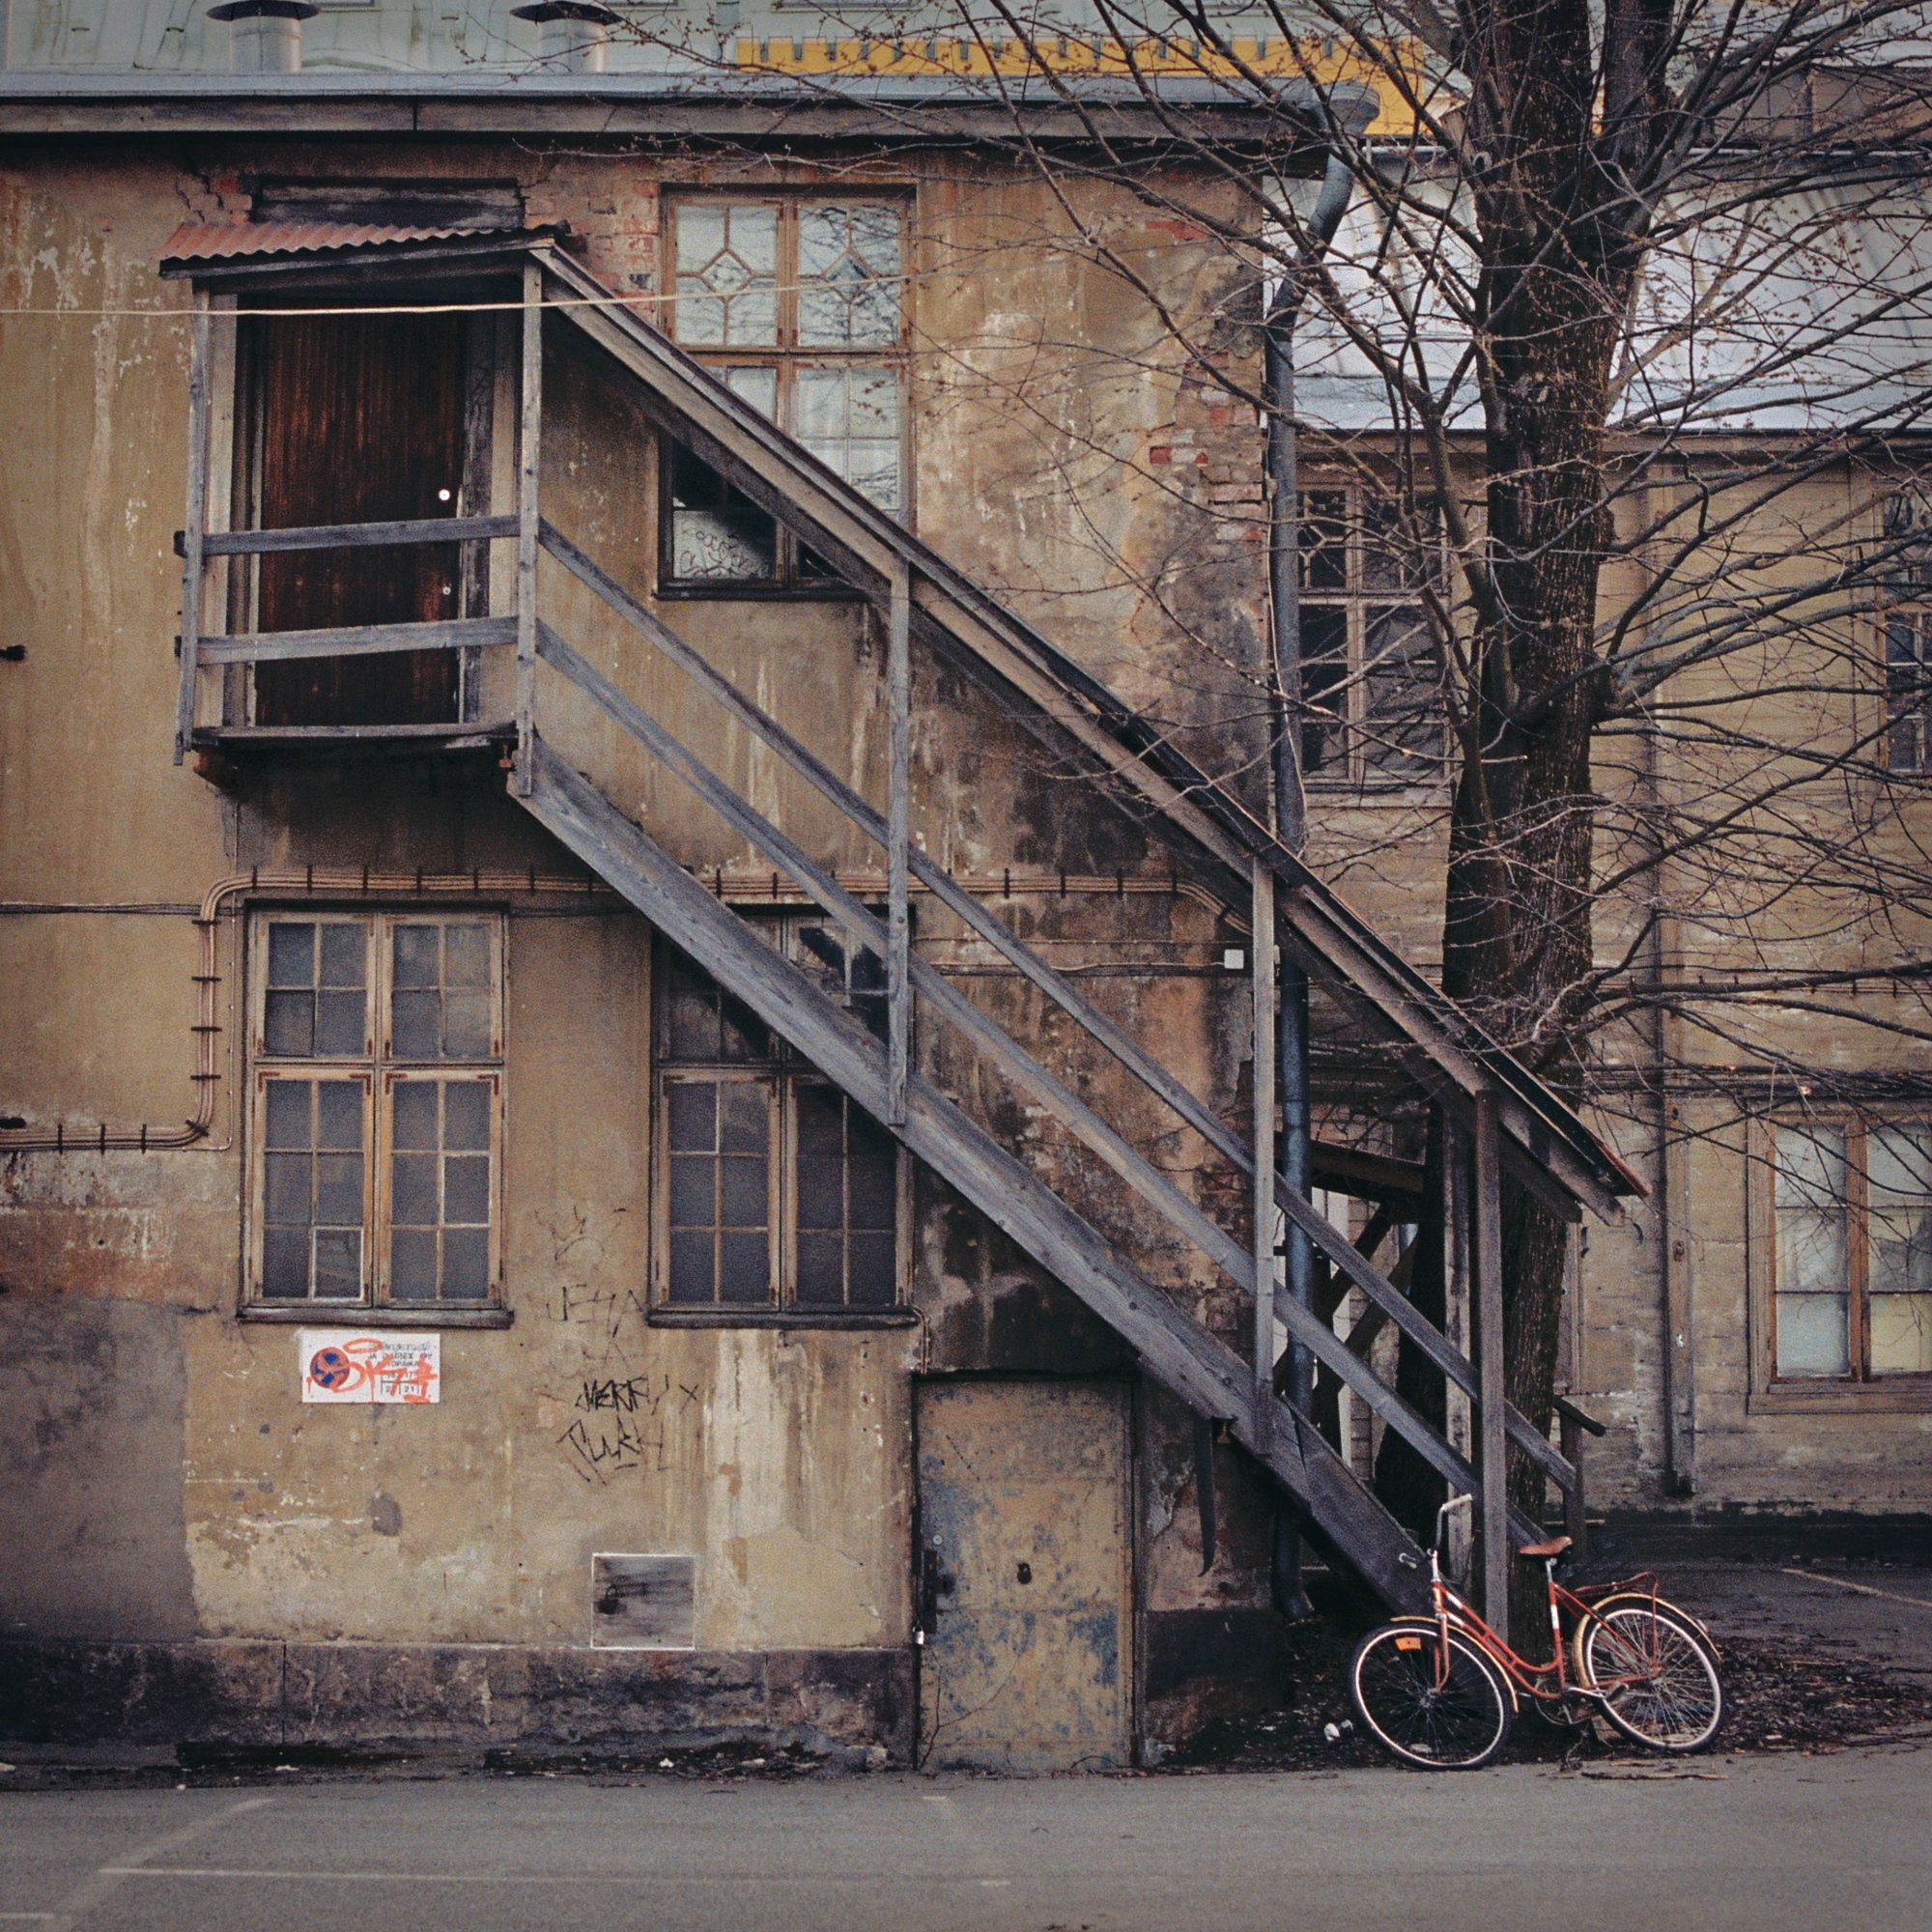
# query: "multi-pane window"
{"points": [[799, 305], [1908, 635], [378, 1084], [1371, 688], [778, 1191], [1852, 1265]]}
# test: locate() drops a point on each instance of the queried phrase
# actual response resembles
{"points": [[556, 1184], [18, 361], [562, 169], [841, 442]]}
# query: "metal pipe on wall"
{"points": [[1291, 813]]}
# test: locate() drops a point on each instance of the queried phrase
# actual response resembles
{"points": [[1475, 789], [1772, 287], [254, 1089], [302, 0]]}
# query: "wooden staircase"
{"points": [[1508, 1121]]}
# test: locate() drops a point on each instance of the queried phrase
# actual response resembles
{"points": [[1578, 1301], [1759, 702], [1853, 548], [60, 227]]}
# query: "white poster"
{"points": [[353, 1365]]}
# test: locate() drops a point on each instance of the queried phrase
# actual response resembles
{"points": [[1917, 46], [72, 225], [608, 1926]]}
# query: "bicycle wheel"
{"points": [[1657, 1670], [1454, 1725]]}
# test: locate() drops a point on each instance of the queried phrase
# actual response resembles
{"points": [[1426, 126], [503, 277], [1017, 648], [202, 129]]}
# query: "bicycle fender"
{"points": [[1461, 1627]]}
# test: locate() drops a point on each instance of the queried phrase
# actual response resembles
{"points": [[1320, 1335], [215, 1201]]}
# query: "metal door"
{"points": [[1024, 1575]]}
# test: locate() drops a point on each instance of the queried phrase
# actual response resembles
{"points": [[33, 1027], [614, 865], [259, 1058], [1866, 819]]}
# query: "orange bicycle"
{"points": [[1441, 1690]]}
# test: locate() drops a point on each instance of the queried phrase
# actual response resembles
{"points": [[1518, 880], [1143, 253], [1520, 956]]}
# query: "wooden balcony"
{"points": [[217, 716]]}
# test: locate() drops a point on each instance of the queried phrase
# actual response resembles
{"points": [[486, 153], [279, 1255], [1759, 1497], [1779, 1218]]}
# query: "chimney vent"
{"points": [[264, 36], [576, 34]]}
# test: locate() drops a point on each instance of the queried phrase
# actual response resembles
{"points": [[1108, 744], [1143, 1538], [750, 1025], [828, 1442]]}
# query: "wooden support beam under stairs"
{"points": [[1192, 1364]]}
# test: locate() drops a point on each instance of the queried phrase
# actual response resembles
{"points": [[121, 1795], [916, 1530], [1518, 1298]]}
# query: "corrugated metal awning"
{"points": [[241, 241]]}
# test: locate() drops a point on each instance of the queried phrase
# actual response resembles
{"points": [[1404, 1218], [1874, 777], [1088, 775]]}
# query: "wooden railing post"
{"points": [[1263, 968], [530, 430], [1493, 1444], [196, 529], [1573, 1426], [1574, 1524], [1456, 1328], [899, 916]]}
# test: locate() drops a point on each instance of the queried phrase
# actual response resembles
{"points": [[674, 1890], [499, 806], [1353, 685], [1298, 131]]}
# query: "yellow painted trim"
{"points": [[1323, 64]]}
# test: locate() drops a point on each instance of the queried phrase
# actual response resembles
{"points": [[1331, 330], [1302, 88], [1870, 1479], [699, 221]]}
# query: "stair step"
{"points": [[1192, 1364]]}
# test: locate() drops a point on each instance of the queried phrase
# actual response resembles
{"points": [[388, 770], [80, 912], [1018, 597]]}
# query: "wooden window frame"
{"points": [[1903, 546], [1353, 773], [378, 1070], [1860, 1389], [1916, 610], [783, 1072], [785, 358]]}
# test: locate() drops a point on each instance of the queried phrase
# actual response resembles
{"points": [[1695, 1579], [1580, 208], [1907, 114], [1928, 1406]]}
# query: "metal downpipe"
{"points": [[1291, 816]]}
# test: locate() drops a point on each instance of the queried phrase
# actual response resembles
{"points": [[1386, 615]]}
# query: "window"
{"points": [[378, 1092], [1852, 1263], [1370, 683], [799, 305], [778, 1191], [1908, 635]]}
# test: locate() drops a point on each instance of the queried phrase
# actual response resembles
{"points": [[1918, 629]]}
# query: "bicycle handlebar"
{"points": [[1446, 1511]]}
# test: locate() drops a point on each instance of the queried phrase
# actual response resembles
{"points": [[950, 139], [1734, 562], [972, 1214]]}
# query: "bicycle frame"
{"points": [[1548, 1683]]}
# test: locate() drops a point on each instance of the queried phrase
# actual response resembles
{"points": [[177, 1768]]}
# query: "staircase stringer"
{"points": [[1181, 1214], [1191, 1364], [1051, 695]]}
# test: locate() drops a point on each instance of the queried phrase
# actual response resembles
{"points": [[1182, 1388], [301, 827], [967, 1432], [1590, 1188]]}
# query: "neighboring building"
{"points": [[504, 1003]]}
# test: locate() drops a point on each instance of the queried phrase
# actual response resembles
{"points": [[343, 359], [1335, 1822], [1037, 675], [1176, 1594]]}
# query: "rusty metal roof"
{"points": [[234, 240]]}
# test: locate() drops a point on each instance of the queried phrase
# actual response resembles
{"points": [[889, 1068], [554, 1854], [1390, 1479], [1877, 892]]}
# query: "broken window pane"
{"points": [[849, 973], [717, 533]]}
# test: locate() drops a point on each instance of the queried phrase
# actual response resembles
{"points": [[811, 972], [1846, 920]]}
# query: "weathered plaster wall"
{"points": [[156, 1447]]}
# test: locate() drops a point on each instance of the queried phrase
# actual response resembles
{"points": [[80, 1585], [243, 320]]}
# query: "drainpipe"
{"points": [[1291, 816], [264, 36]]}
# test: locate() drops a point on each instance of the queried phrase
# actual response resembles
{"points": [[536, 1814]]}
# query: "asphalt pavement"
{"points": [[1837, 1842]]}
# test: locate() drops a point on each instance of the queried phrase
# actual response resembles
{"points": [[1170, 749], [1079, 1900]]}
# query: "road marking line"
{"points": [[1864, 1589], [106, 1880], [307, 1874]]}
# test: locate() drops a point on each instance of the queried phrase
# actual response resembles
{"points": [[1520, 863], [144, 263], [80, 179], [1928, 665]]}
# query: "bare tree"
{"points": [[1612, 385]]}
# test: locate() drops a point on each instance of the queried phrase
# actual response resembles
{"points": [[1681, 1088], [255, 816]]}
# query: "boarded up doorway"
{"points": [[359, 419], [1024, 1575]]}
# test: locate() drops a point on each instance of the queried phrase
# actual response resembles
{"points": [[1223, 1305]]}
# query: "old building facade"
{"points": [[524, 1219]]}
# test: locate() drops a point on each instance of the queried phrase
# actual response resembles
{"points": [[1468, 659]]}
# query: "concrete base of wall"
{"points": [[1203, 1664], [363, 1695]]}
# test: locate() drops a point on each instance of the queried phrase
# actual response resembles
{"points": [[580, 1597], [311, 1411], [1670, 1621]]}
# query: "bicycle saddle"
{"points": [[1556, 1546]]}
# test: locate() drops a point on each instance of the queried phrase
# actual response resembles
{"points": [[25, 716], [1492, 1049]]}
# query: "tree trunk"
{"points": [[1517, 923]]}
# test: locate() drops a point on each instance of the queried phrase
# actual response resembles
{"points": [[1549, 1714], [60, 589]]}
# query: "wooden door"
{"points": [[1025, 1577], [360, 421]]}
